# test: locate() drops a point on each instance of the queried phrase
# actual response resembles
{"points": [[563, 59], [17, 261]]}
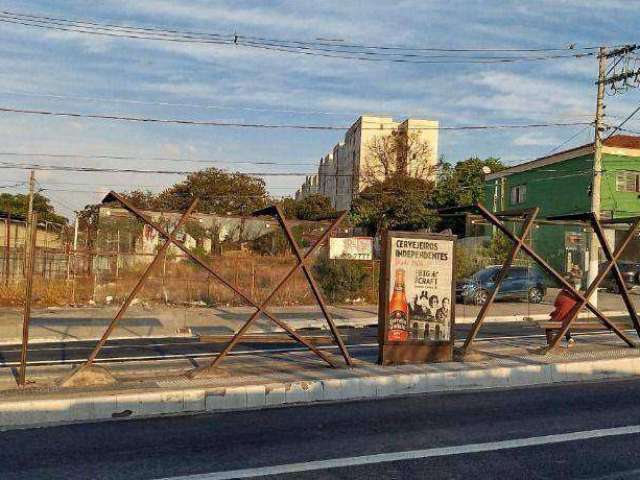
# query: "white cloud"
{"points": [[534, 139]]}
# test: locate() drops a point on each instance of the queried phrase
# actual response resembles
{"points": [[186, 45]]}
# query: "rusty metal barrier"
{"points": [[260, 308], [277, 213], [528, 216]]}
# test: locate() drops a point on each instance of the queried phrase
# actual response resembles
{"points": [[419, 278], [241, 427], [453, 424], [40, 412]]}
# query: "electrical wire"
{"points": [[218, 123], [191, 105], [136, 186], [162, 159], [575, 135], [322, 49], [621, 124], [70, 168], [316, 42]]}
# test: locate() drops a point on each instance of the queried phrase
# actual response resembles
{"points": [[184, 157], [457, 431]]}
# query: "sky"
{"points": [[73, 72]]}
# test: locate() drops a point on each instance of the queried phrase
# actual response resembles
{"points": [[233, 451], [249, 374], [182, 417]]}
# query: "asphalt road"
{"points": [[180, 347], [517, 433]]}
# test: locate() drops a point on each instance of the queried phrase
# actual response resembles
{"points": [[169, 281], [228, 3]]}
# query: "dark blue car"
{"points": [[523, 283]]}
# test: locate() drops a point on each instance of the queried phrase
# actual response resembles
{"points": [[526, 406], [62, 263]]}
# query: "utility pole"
{"points": [[28, 229], [32, 188], [597, 170], [74, 263]]}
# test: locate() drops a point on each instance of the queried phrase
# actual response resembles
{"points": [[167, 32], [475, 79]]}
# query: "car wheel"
{"points": [[615, 288], [535, 295], [481, 297]]}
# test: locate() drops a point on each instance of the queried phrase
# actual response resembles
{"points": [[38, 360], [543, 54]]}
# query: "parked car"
{"points": [[630, 272], [523, 283]]}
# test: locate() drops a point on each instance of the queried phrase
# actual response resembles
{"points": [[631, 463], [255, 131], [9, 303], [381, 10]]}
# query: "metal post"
{"points": [[117, 264], [266, 301], [292, 333], [597, 172], [312, 283], [617, 274], [526, 227], [7, 249], [33, 226], [551, 271], [593, 287], [46, 245], [138, 286]]}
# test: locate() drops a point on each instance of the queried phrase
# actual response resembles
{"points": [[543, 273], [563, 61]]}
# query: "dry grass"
{"points": [[183, 283]]}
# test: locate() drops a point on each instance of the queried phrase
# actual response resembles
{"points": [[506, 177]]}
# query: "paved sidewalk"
{"points": [[60, 324], [274, 379]]}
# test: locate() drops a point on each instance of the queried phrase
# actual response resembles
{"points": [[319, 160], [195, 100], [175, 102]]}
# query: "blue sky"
{"points": [[134, 77]]}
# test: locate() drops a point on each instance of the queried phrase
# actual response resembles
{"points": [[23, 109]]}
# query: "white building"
{"points": [[341, 173]]}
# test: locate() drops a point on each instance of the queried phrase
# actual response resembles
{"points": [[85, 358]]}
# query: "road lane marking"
{"points": [[411, 454]]}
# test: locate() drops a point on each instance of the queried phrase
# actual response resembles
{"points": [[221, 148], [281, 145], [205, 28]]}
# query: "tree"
{"points": [[18, 204], [314, 207], [401, 153], [462, 184], [218, 191], [289, 206], [144, 199], [399, 202]]}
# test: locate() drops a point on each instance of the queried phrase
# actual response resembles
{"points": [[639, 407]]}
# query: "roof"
{"points": [[630, 142], [623, 141]]}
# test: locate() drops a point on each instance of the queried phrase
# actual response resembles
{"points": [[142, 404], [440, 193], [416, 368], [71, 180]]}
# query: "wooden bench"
{"points": [[551, 326]]}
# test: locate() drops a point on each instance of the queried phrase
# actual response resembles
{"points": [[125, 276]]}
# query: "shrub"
{"points": [[341, 279]]}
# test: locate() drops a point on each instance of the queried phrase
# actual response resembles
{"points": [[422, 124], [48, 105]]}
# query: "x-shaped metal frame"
{"points": [[583, 300], [260, 308], [169, 239], [611, 264], [529, 217], [301, 264]]}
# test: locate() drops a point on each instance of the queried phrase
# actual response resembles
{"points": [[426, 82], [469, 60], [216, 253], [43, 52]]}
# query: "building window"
{"points": [[518, 194], [628, 182]]}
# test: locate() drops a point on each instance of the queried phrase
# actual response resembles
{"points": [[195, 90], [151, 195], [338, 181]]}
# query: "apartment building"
{"points": [[343, 172]]}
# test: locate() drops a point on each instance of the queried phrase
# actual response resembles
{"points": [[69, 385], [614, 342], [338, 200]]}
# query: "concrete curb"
{"points": [[312, 323], [30, 412]]}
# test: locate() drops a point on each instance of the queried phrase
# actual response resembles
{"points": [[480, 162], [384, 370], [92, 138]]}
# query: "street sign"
{"points": [[351, 248], [417, 298]]}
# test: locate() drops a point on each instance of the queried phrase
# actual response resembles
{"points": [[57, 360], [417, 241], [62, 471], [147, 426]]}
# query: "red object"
{"points": [[563, 304], [398, 335]]}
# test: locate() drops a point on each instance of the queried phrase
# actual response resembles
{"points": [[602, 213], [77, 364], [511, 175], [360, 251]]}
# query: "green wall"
{"points": [[563, 188], [620, 204], [557, 189]]}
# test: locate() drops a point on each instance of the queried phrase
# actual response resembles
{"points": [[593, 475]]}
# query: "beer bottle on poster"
{"points": [[399, 310]]}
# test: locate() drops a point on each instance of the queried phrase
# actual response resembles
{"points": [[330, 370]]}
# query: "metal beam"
{"points": [[530, 216]]}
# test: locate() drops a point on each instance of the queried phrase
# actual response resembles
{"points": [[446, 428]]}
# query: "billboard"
{"points": [[417, 298], [352, 248]]}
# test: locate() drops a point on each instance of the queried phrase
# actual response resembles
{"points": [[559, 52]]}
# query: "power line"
{"points": [[621, 124], [69, 168], [162, 159], [635, 132], [218, 123], [130, 185], [222, 195], [316, 42], [187, 105], [582, 130], [322, 49]]}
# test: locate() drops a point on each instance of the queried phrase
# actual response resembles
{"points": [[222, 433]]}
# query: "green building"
{"points": [[561, 184]]}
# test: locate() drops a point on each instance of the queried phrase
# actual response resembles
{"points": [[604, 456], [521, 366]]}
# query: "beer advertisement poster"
{"points": [[419, 296]]}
